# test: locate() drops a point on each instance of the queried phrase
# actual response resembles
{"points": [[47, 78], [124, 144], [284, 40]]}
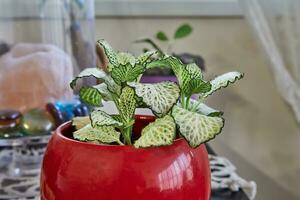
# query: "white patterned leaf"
{"points": [[127, 104], [124, 73], [223, 81], [194, 70], [189, 76], [190, 79], [103, 134], [125, 58], [160, 63], [109, 52], [204, 109], [196, 128], [159, 133], [160, 97], [103, 90], [80, 122], [91, 96], [101, 118], [112, 86], [95, 72], [145, 56]]}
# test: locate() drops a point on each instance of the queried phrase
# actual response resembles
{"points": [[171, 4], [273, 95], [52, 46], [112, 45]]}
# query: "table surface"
{"points": [[267, 187]]}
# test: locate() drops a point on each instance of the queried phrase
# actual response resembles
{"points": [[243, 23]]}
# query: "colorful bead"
{"points": [[9, 123], [37, 121]]}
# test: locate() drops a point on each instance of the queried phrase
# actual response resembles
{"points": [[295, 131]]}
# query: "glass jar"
{"points": [[43, 44], [56, 37]]}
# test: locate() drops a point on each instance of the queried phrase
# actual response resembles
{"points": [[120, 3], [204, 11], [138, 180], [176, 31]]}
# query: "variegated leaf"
{"points": [[223, 81], [101, 118], [103, 134], [159, 133], [189, 76], [125, 58], [90, 96], [95, 72], [127, 104], [191, 86], [196, 128], [194, 71], [163, 62], [80, 122], [105, 93], [160, 97], [191, 80], [112, 86], [109, 52], [145, 57], [202, 108], [124, 73]]}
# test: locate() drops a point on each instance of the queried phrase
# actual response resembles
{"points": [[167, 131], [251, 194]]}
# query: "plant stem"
{"points": [[187, 102], [127, 135], [197, 104], [182, 100], [120, 143]]}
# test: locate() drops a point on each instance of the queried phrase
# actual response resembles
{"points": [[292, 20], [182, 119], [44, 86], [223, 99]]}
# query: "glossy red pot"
{"points": [[76, 170]]}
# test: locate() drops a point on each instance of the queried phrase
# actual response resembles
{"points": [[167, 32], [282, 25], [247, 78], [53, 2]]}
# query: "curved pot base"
{"points": [[76, 170]]}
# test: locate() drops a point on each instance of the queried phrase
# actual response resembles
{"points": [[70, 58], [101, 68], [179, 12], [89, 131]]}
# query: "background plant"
{"points": [[181, 32], [171, 103]]}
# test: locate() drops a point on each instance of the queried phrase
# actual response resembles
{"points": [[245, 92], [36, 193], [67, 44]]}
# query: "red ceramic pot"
{"points": [[76, 170]]}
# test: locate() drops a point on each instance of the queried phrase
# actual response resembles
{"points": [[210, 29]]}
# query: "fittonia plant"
{"points": [[170, 102]]}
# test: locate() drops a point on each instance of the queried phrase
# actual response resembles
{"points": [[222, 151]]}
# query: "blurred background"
{"points": [[258, 37]]}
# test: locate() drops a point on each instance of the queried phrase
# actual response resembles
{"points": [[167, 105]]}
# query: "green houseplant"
{"points": [[171, 103], [136, 157], [162, 39]]}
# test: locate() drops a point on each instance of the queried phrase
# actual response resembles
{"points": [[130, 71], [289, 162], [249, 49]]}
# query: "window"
{"points": [[167, 8]]}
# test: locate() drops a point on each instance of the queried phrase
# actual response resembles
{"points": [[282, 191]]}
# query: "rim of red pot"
{"points": [[59, 131]]}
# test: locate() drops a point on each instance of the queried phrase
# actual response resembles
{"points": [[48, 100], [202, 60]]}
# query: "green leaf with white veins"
{"points": [[196, 128], [145, 57], [101, 118], [80, 122], [103, 134], [159, 133], [160, 97], [105, 93], [194, 71], [223, 81], [109, 52], [127, 104], [124, 73], [191, 80], [189, 76], [125, 58], [112, 86], [90, 96], [95, 72], [204, 109]]}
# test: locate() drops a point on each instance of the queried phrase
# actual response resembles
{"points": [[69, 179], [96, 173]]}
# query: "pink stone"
{"points": [[32, 75]]}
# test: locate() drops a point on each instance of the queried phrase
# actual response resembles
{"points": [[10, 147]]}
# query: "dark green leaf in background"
{"points": [[183, 31], [161, 36]]}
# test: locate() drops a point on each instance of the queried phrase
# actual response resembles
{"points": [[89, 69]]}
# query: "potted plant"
{"points": [[135, 157]]}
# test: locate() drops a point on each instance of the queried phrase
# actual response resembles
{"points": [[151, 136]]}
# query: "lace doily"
{"points": [[223, 175]]}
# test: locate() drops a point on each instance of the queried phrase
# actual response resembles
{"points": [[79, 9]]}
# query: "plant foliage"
{"points": [[169, 101]]}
